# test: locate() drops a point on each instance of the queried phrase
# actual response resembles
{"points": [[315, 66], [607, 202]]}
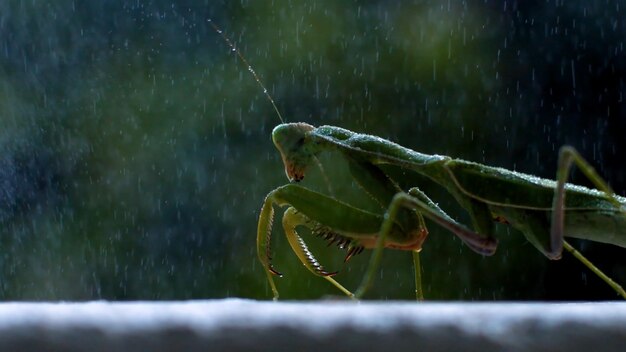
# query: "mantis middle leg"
{"points": [[417, 201]]}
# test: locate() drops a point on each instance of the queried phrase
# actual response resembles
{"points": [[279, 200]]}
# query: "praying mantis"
{"points": [[544, 211]]}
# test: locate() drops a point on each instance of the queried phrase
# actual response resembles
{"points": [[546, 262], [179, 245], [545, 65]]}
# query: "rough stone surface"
{"points": [[244, 325]]}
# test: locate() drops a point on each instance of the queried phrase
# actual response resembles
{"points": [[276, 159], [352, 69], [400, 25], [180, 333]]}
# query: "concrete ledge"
{"points": [[243, 325]]}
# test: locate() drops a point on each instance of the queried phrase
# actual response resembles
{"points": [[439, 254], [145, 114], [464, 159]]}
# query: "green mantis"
{"points": [[544, 211]]}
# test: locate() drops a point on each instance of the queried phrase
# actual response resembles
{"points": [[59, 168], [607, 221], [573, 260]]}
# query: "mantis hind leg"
{"points": [[614, 285], [568, 156]]}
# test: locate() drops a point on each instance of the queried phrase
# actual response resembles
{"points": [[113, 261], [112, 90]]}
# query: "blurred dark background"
{"points": [[135, 147]]}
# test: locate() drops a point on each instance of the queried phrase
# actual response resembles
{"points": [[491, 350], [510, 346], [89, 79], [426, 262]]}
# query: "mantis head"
{"points": [[291, 141]]}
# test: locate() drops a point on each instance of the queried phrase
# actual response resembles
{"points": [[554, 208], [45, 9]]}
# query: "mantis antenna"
{"points": [[267, 94], [243, 59]]}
